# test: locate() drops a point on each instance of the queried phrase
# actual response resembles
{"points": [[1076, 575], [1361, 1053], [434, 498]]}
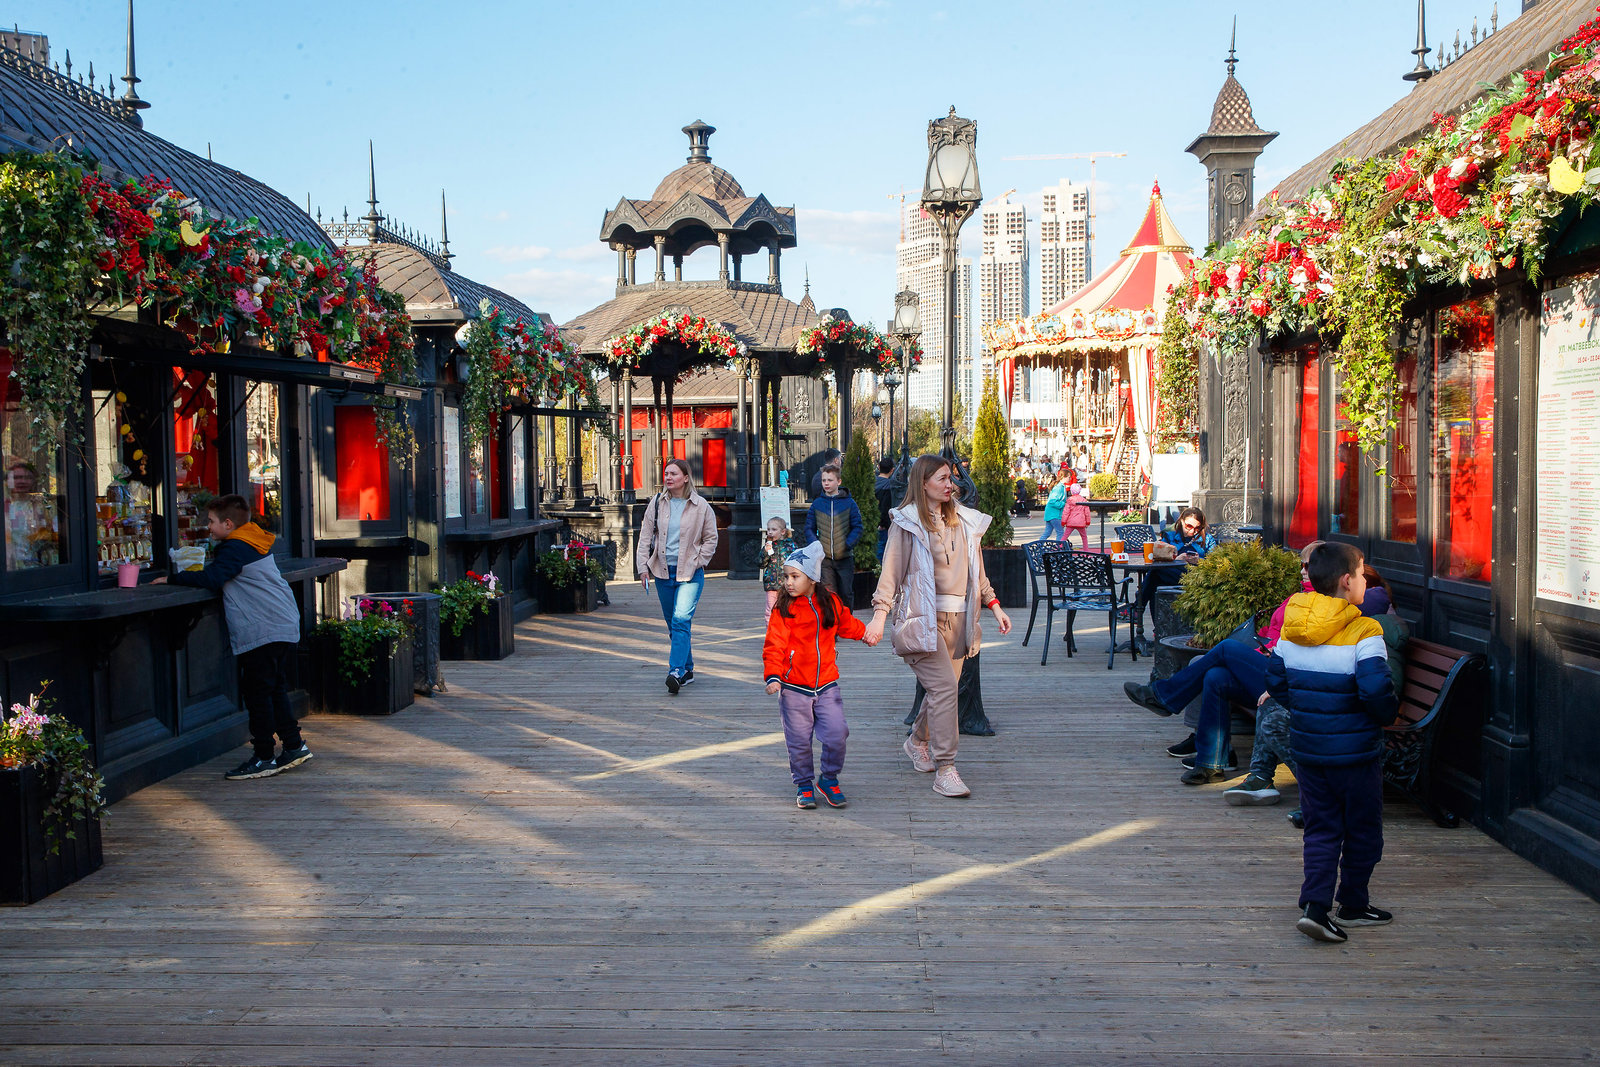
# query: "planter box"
{"points": [[574, 599], [490, 635], [866, 583], [383, 692], [1007, 568], [27, 870], [425, 655]]}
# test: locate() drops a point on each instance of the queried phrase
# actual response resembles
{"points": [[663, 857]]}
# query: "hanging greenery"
{"points": [[702, 339], [49, 248], [509, 358], [862, 346], [1177, 375], [1476, 193]]}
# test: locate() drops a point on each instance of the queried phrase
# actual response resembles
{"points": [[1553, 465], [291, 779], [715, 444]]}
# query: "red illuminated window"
{"points": [[1403, 456], [1463, 441], [1346, 517], [363, 465], [1303, 514], [714, 462]]}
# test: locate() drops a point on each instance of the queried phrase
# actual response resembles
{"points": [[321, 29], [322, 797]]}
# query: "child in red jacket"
{"points": [[799, 662]]}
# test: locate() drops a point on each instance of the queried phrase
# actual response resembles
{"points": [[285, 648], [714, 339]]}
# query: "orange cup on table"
{"points": [[1149, 547], [1117, 548]]}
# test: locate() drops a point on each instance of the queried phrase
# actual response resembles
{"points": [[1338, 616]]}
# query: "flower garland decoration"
{"points": [[871, 347], [697, 334], [50, 248], [1479, 192], [509, 358]]}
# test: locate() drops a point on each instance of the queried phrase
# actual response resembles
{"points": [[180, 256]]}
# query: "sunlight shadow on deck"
{"points": [[687, 755], [842, 919]]}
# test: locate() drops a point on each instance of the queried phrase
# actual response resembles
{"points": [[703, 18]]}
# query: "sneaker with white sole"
{"points": [[254, 767], [290, 758], [1254, 790], [921, 758], [1367, 916], [947, 783], [1318, 925]]}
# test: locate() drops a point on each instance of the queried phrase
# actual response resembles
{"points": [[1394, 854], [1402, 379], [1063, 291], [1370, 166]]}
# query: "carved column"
{"points": [[738, 267], [722, 250], [661, 259], [677, 268], [633, 257], [622, 267], [772, 263]]}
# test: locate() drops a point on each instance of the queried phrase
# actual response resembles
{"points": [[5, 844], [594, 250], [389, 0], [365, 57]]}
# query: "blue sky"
{"points": [[538, 117]]}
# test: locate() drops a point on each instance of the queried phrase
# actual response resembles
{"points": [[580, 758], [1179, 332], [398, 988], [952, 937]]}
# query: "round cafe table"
{"points": [[1139, 566], [1103, 508]]}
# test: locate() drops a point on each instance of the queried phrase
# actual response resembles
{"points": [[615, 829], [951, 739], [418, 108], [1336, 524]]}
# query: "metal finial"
{"points": [[69, 62], [1233, 40], [130, 99], [308, 203], [372, 218], [91, 75], [1420, 73], [319, 216], [808, 279], [208, 150], [1494, 18], [1474, 29], [444, 230], [347, 214]]}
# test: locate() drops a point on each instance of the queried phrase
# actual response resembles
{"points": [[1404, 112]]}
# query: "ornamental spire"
{"points": [[444, 231], [1233, 39], [1421, 72], [130, 99], [372, 218]]}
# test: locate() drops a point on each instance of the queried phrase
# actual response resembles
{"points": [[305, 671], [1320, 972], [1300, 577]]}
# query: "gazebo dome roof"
{"points": [[701, 178]]}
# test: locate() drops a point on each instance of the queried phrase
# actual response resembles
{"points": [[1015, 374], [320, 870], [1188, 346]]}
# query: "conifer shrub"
{"points": [[1233, 583], [860, 479], [991, 466]]}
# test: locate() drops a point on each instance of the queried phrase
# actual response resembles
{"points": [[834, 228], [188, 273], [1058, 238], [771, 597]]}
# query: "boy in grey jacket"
{"points": [[263, 630]]}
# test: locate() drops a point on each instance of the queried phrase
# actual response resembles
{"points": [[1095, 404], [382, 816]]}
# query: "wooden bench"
{"points": [[1437, 679]]}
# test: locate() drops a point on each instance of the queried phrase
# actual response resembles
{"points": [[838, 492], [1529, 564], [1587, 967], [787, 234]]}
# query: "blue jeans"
{"points": [[1231, 671], [1053, 530], [678, 601]]}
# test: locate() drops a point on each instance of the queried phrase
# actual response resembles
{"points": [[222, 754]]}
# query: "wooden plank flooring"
{"points": [[559, 863]]}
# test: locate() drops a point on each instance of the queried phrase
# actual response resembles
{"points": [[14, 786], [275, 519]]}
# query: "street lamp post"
{"points": [[891, 382], [906, 328], [950, 195], [878, 403]]}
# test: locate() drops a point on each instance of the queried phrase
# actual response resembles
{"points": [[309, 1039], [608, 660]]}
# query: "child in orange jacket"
{"points": [[798, 658]]}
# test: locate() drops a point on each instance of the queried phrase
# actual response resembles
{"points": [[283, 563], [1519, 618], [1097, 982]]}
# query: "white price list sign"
{"points": [[1567, 540]]}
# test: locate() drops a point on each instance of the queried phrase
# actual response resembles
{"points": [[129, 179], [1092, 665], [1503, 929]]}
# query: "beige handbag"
{"points": [[1162, 552]]}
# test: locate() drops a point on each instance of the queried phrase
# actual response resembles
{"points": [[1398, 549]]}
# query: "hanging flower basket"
{"points": [[842, 345], [672, 347], [509, 358]]}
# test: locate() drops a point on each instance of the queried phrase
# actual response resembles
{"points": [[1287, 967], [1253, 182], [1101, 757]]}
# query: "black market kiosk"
{"points": [[146, 671]]}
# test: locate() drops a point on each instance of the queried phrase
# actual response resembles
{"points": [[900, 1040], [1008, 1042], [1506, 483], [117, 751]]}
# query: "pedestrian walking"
{"points": [[1075, 516], [834, 520], [801, 668], [934, 584], [678, 538], [1054, 505], [263, 632]]}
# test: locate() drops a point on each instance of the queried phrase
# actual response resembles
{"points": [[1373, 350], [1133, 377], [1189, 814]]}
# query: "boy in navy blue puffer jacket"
{"points": [[1330, 668]]}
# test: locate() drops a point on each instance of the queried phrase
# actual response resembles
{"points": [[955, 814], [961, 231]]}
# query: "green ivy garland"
{"points": [[48, 248], [1177, 373]]}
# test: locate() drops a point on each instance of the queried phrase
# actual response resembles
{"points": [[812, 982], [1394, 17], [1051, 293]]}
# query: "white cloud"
{"points": [[857, 233], [589, 252], [562, 293], [516, 253]]}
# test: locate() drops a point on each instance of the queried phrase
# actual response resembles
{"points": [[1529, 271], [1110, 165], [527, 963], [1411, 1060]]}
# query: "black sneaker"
{"points": [[292, 757], [674, 683], [1254, 790], [1233, 760], [1297, 820], [1145, 697], [254, 767], [1182, 748], [1367, 916], [1318, 925], [688, 676], [1203, 775]]}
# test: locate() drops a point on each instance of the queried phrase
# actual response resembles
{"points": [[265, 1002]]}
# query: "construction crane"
{"points": [[1091, 157]]}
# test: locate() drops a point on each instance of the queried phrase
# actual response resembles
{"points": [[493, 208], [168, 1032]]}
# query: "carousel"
{"points": [[1102, 339]]}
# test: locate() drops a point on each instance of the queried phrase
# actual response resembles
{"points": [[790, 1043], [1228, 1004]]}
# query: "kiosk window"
{"points": [[363, 464], [1463, 441]]}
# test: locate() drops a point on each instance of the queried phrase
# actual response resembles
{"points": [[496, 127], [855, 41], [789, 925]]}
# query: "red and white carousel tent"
{"points": [[1105, 333]]}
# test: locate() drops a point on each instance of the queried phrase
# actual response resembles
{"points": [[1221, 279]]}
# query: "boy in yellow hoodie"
{"points": [[1330, 669]]}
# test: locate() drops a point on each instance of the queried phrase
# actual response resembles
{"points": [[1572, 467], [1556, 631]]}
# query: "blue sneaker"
{"points": [[805, 798], [829, 788]]}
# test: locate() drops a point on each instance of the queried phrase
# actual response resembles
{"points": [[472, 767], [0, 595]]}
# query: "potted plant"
{"points": [[1233, 584], [1103, 486], [860, 480], [569, 578], [1006, 566], [50, 797], [365, 661], [475, 619]]}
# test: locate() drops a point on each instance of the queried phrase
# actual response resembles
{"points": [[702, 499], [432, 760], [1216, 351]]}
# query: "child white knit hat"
{"points": [[807, 560]]}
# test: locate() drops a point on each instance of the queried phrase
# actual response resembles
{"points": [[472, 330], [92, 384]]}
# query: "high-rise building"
{"points": [[1003, 264], [919, 266], [1063, 242]]}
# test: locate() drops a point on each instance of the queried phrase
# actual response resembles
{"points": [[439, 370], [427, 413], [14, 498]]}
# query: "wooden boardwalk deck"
{"points": [[559, 863]]}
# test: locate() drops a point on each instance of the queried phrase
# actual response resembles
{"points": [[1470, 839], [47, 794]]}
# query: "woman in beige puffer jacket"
{"points": [[676, 540]]}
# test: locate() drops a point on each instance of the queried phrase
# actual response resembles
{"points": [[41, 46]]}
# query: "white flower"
{"points": [[1458, 166]]}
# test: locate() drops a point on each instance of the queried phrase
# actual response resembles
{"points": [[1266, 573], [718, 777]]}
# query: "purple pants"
{"points": [[1343, 808], [822, 715]]}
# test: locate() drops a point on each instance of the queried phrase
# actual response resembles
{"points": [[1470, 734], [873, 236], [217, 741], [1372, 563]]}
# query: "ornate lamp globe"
{"points": [[907, 314], [952, 176]]}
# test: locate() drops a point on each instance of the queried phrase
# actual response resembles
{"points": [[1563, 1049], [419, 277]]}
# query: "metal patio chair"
{"points": [[1034, 552], [1082, 581], [1135, 535]]}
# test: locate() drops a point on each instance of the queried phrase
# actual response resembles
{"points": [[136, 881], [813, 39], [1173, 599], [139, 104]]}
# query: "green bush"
{"points": [[860, 479], [1233, 583], [991, 466], [1103, 486]]}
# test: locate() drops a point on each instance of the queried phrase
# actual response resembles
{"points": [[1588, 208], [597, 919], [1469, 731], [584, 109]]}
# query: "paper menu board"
{"points": [[1567, 456], [774, 504]]}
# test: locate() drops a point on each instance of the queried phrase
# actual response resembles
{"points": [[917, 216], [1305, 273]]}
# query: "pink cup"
{"points": [[127, 575]]}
